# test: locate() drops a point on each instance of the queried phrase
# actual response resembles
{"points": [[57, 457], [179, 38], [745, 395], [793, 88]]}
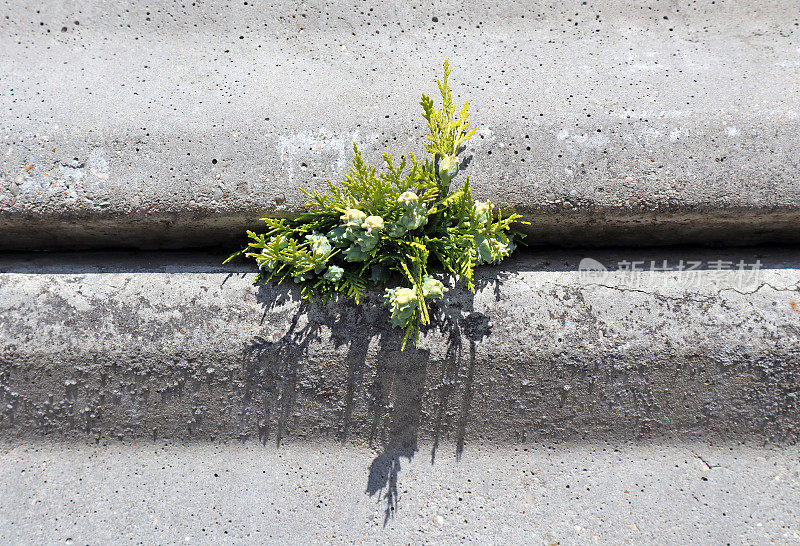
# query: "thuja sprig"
{"points": [[447, 132], [388, 226]]}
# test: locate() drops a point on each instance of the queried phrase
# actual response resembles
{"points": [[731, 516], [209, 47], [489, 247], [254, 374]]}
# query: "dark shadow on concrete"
{"points": [[463, 326], [396, 412], [273, 366], [394, 390]]}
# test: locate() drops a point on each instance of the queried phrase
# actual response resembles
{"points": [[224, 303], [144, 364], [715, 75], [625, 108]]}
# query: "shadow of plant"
{"points": [[394, 390], [396, 412]]}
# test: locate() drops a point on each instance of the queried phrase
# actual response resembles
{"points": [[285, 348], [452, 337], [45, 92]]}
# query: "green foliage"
{"points": [[446, 132], [378, 226]]}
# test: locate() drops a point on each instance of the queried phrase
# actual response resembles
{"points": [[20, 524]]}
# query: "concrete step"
{"points": [[154, 493], [176, 346], [174, 125]]}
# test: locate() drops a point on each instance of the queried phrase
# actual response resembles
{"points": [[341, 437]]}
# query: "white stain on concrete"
{"points": [[650, 136], [296, 148], [593, 141], [648, 67], [652, 114], [584, 140], [483, 135], [72, 176], [98, 165]]}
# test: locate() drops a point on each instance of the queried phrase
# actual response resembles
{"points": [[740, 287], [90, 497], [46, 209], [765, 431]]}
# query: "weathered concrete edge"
{"points": [[187, 349], [127, 198]]}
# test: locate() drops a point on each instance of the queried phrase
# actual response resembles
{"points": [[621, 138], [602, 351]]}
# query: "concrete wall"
{"points": [[174, 125], [109, 346]]}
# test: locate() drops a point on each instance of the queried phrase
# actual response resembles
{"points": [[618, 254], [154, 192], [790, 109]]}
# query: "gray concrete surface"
{"points": [[175, 346], [684, 493], [177, 124]]}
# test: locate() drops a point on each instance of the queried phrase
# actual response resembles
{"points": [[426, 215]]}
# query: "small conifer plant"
{"points": [[388, 227]]}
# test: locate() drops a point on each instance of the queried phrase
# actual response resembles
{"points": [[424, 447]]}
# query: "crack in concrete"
{"points": [[656, 295], [762, 285], [794, 288], [708, 465]]}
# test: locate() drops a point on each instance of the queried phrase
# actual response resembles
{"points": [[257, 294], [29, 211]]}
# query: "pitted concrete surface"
{"points": [[176, 346], [179, 124], [676, 493]]}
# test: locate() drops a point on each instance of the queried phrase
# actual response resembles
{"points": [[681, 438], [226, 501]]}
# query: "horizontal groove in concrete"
{"points": [[172, 126], [178, 347], [663, 493]]}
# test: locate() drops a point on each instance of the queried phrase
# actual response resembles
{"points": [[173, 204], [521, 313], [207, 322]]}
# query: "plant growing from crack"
{"points": [[382, 226]]}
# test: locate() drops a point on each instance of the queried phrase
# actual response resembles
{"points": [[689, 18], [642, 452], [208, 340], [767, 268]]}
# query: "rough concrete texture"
{"points": [[177, 347], [690, 493], [173, 124]]}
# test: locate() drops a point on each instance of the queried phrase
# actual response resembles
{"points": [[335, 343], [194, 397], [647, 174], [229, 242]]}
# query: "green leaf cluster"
{"points": [[447, 132], [381, 226]]}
